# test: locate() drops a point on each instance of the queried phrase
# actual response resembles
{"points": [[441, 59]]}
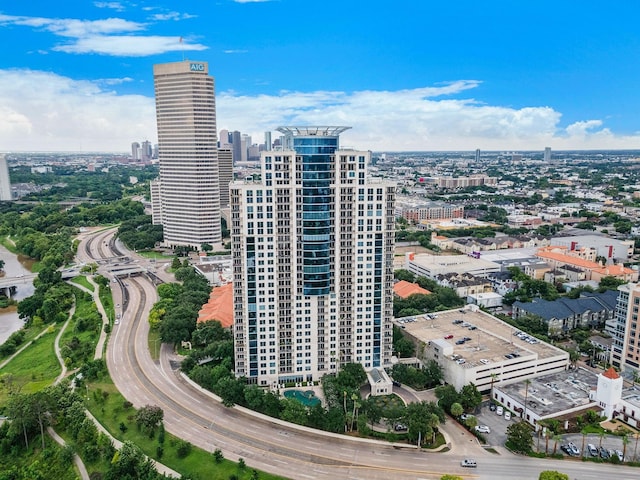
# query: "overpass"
{"points": [[8, 285]]}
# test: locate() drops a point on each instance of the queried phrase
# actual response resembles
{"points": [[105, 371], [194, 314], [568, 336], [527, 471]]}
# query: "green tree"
{"points": [[450, 477], [552, 475], [294, 412], [149, 417], [470, 397], [403, 274], [456, 409], [519, 437]]}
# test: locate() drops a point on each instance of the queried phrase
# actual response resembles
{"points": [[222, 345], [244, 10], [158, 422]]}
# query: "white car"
{"points": [[467, 462], [482, 429], [499, 410], [507, 415]]}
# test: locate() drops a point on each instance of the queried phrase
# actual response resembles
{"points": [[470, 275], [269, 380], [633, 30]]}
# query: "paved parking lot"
{"points": [[498, 436]]}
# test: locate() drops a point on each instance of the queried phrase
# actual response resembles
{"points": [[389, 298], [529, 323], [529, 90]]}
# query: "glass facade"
{"points": [[317, 210]]}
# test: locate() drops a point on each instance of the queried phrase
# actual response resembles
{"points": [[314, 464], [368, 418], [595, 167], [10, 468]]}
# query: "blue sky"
{"points": [[406, 75]]}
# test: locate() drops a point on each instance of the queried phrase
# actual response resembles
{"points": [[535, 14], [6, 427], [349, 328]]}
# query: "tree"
{"points": [[456, 409], [519, 437], [129, 462], [552, 475], [447, 395], [403, 274], [470, 397], [450, 477], [149, 417]]}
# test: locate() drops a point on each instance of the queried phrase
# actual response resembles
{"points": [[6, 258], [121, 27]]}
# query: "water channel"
{"points": [[14, 266]]}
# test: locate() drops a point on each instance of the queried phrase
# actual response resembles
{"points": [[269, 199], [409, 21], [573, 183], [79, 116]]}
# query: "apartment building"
{"points": [[312, 245]]}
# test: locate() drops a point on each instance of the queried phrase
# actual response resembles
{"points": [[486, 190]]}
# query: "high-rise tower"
{"points": [[312, 250], [5, 180], [189, 185]]}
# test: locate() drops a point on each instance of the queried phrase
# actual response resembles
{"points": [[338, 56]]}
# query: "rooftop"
{"points": [[405, 289], [553, 394], [491, 340]]}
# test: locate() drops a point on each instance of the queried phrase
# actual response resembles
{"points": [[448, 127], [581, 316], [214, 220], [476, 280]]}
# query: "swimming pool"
{"points": [[308, 397]]}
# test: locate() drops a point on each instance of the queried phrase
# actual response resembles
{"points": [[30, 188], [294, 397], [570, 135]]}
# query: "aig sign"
{"points": [[197, 67]]}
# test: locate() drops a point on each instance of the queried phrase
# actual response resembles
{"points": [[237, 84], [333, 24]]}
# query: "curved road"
{"points": [[287, 450]]}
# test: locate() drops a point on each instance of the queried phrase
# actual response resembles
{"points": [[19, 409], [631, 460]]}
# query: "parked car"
{"points": [[465, 416], [603, 453], [593, 451], [399, 427], [468, 462], [499, 410], [492, 407], [507, 415], [482, 429], [460, 342], [575, 451], [620, 455], [448, 337]]}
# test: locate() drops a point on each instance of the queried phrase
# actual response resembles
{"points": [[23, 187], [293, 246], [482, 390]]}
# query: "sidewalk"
{"points": [[76, 459]]}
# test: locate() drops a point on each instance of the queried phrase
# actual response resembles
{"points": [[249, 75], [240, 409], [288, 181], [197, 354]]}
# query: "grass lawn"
{"points": [[36, 367], [107, 405], [9, 245], [85, 326], [154, 343], [154, 254], [82, 280], [107, 302]]}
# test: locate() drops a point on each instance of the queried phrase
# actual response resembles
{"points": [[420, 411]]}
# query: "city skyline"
{"points": [[423, 77]]}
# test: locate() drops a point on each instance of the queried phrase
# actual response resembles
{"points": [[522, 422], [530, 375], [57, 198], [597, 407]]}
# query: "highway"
{"points": [[274, 446]]}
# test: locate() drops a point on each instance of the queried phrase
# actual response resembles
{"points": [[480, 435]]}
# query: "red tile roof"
{"points": [[219, 307], [611, 373], [405, 289]]}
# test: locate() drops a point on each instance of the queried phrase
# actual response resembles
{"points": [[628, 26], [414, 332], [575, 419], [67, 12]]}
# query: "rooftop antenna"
{"points": [[182, 47]]}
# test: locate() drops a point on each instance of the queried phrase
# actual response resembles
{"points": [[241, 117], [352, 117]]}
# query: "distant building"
{"points": [[477, 155], [5, 180], [430, 211], [225, 174], [135, 151]]}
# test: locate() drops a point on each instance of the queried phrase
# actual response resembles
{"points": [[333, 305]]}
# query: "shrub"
{"points": [[183, 449]]}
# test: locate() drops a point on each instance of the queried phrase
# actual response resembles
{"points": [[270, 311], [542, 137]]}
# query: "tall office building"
{"points": [[225, 174], [267, 141], [5, 180], [547, 154], [188, 153], [477, 155], [236, 144], [312, 246], [224, 139], [135, 151]]}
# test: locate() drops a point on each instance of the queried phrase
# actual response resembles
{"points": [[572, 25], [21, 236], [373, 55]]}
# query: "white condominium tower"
{"points": [[188, 153], [312, 245]]}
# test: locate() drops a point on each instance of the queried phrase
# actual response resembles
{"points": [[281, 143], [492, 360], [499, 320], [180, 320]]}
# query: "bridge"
{"points": [[8, 285]]}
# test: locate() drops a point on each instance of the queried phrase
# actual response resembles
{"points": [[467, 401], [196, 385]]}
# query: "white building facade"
{"points": [[188, 153], [312, 246]]}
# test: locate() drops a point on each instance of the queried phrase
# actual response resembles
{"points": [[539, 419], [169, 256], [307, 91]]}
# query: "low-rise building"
{"points": [[473, 346]]}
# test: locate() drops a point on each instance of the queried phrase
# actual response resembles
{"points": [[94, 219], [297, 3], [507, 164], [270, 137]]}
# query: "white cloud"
{"points": [[171, 16], [44, 111], [117, 6], [105, 37], [128, 45], [74, 28], [235, 51]]}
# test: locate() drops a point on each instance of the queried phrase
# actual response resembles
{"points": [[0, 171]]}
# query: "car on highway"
{"points": [[482, 429], [116, 321], [468, 462]]}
